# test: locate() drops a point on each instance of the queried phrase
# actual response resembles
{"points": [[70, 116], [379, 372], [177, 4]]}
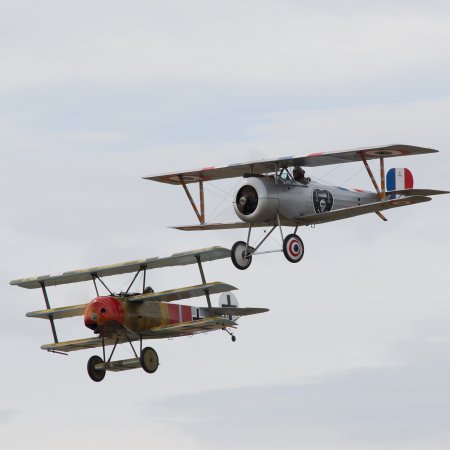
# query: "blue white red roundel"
{"points": [[294, 248]]}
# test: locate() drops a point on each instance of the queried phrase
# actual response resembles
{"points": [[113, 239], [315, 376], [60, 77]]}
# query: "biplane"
{"points": [[276, 193], [127, 317]]}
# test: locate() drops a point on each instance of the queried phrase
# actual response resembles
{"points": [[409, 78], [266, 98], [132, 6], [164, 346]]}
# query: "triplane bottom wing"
{"points": [[165, 331]]}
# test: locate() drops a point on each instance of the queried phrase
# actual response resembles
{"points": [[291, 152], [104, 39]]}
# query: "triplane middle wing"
{"points": [[127, 317], [276, 193]]}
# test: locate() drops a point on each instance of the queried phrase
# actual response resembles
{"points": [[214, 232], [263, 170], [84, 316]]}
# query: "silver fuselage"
{"points": [[291, 200]]}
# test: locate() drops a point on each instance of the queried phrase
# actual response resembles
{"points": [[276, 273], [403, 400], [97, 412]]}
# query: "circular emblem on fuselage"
{"points": [[322, 200]]}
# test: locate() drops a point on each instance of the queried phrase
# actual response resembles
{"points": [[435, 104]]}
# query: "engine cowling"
{"points": [[256, 200]]}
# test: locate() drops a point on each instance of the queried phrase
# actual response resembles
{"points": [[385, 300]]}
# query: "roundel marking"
{"points": [[186, 178], [401, 202], [294, 248], [385, 153]]}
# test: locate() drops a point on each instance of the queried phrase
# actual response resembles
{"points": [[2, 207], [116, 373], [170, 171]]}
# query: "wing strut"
{"points": [[202, 274], [47, 304], [374, 182], [200, 215]]}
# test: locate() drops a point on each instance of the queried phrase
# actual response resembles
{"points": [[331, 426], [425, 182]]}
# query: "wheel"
{"points": [[293, 248], [233, 338], [149, 360], [95, 374], [238, 257]]}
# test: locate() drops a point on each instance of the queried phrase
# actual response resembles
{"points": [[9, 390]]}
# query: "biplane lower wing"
{"points": [[218, 226], [355, 211], [330, 216]]}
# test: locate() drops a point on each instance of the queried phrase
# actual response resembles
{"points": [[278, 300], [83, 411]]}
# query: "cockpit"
{"points": [[296, 176]]}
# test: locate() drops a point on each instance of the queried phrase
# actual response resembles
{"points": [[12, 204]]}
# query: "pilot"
{"points": [[148, 290], [299, 175]]}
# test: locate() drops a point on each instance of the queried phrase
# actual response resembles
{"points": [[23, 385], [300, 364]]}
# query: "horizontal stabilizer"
{"points": [[421, 192], [182, 293], [59, 313], [75, 276], [232, 311]]}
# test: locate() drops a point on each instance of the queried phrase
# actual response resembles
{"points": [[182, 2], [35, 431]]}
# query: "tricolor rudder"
{"points": [[398, 179]]}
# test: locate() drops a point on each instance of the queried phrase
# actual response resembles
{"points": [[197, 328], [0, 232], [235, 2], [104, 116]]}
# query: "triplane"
{"points": [[127, 317], [276, 193]]}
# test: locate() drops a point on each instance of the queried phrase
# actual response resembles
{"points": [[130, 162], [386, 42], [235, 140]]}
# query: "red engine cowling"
{"points": [[256, 200], [103, 315]]}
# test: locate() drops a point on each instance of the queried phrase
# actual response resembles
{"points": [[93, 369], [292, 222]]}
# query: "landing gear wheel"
{"points": [[293, 248], [149, 360], [233, 338], [238, 257], [95, 374]]}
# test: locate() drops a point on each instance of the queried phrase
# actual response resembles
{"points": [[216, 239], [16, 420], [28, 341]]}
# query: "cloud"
{"points": [[6, 415], [293, 43], [401, 404]]}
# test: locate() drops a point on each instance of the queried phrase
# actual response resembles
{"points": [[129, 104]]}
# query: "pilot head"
{"points": [[298, 173]]}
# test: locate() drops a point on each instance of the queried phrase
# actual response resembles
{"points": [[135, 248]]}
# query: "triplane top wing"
{"points": [[75, 276], [310, 160]]}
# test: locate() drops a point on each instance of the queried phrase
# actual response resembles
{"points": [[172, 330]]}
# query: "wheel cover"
{"points": [[294, 248], [238, 255], [95, 374], [149, 360]]}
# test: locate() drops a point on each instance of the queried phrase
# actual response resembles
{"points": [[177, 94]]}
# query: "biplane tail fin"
{"points": [[399, 179]]}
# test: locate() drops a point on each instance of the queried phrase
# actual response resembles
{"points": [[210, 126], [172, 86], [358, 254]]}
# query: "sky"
{"points": [[94, 95]]}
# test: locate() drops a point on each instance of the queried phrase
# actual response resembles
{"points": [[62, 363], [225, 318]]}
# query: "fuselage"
{"points": [[263, 198], [109, 315]]}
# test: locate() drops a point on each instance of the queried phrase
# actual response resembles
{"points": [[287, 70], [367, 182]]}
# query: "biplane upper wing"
{"points": [[267, 166], [183, 293], [75, 276]]}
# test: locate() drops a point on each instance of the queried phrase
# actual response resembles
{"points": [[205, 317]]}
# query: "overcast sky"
{"points": [[93, 95]]}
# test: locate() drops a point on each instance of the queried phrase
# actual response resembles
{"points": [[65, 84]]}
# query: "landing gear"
{"points": [[98, 366], [293, 248], [241, 255], [233, 337], [96, 374], [149, 360], [242, 252]]}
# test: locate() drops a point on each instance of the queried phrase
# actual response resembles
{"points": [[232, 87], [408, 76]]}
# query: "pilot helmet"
{"points": [[298, 172]]}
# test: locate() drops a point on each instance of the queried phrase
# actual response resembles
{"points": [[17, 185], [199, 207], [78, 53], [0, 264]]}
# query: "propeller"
{"points": [[247, 200]]}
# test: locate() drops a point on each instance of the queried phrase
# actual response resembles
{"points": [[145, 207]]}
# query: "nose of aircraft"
{"points": [[103, 311]]}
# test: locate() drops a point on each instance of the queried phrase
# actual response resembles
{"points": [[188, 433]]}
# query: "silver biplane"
{"points": [[127, 317], [276, 193]]}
